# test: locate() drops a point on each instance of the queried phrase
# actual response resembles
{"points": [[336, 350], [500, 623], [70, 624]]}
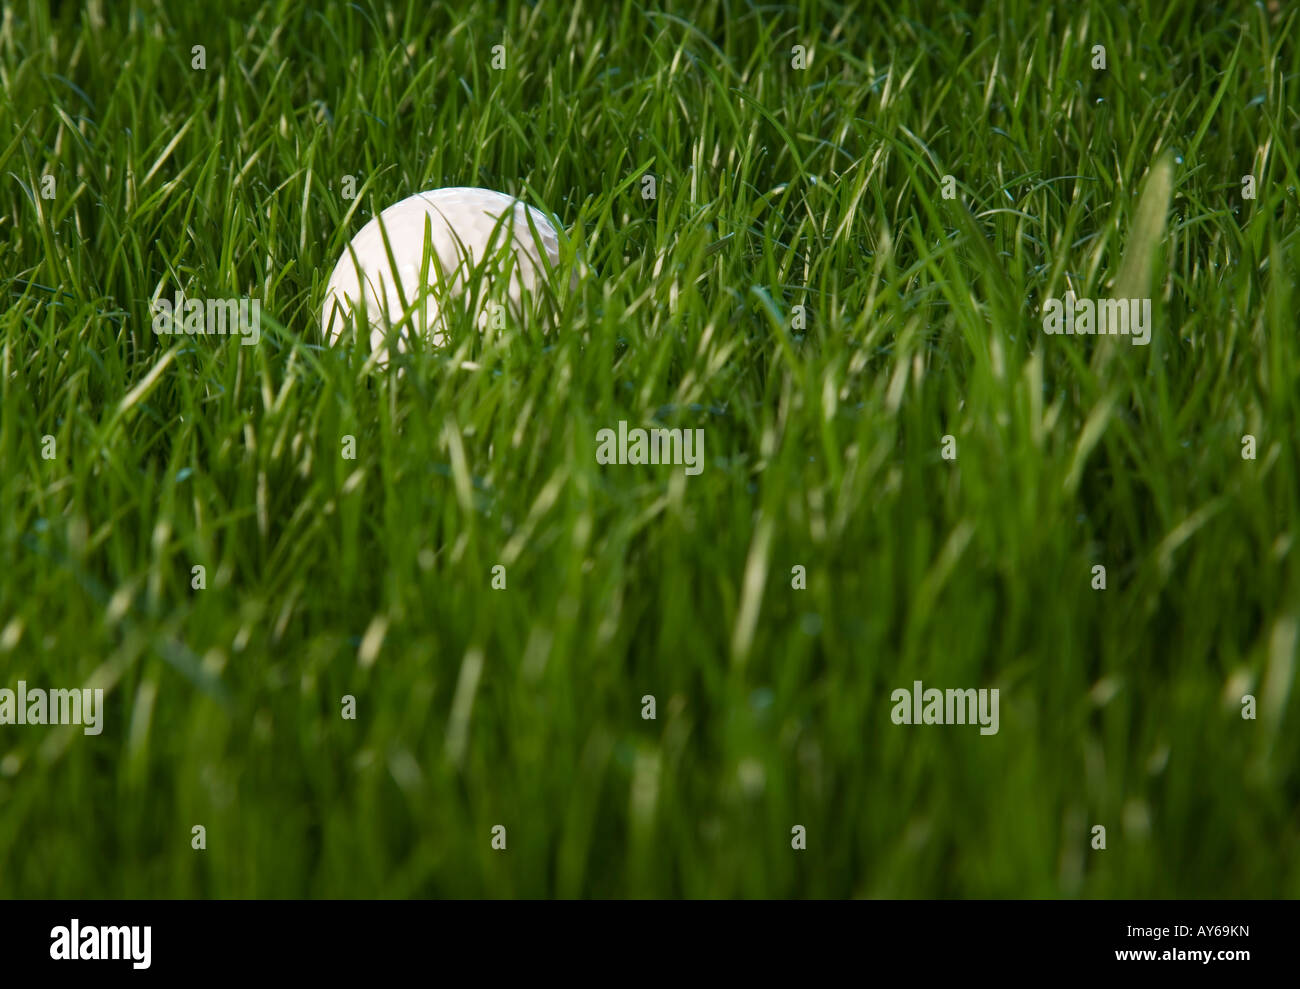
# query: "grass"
{"points": [[775, 187]]}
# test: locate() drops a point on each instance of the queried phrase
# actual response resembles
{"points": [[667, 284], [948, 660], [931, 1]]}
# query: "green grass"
{"points": [[521, 707]]}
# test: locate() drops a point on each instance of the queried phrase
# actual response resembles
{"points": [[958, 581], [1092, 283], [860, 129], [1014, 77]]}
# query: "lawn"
{"points": [[826, 236]]}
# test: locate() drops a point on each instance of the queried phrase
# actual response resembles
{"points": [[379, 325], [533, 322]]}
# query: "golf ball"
{"points": [[464, 227]]}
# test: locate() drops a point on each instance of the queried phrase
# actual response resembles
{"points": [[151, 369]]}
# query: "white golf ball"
{"points": [[465, 226]]}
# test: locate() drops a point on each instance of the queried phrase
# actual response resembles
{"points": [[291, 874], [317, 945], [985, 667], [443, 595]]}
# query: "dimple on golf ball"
{"points": [[464, 226]]}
